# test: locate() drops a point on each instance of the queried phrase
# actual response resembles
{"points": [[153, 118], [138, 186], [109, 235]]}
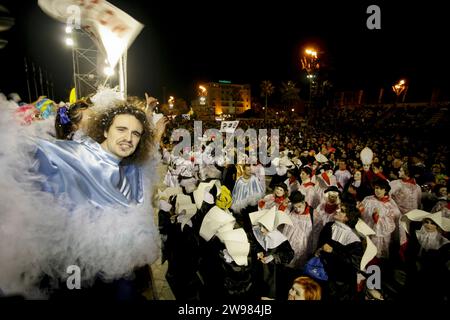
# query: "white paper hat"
{"points": [[321, 158], [371, 249], [419, 215], [297, 162], [366, 156], [270, 218], [168, 192], [285, 162], [276, 162], [185, 209], [216, 219], [237, 245], [203, 187]]}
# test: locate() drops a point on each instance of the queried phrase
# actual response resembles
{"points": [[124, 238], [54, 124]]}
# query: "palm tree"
{"points": [[290, 93], [267, 90]]}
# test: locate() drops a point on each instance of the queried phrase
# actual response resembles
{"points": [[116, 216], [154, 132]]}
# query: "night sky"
{"points": [[186, 42]]}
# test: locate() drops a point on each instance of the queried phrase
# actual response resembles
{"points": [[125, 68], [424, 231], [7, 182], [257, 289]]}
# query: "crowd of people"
{"points": [[347, 194], [390, 182]]}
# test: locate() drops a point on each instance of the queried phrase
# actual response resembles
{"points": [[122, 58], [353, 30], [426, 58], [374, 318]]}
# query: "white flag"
{"points": [[112, 29], [229, 126]]}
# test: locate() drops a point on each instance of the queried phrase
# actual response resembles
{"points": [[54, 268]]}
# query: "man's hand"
{"points": [[160, 128], [327, 248]]}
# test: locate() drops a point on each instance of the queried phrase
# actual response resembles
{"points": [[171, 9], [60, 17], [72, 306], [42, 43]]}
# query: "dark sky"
{"points": [[248, 41]]}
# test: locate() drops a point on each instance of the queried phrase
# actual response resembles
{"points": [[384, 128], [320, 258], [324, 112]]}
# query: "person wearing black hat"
{"points": [[381, 214], [300, 233], [278, 198], [292, 180]]}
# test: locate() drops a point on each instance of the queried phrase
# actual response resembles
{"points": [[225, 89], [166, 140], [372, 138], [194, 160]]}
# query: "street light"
{"points": [[69, 42], [171, 102], [310, 64], [400, 88]]}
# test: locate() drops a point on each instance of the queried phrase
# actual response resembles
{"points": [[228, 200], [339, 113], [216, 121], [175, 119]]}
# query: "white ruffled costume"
{"points": [[44, 233]]}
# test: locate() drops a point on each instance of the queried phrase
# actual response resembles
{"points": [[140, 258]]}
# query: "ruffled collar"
{"points": [[343, 234], [430, 240], [270, 241]]}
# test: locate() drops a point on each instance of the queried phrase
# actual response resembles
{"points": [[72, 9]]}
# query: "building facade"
{"points": [[222, 99]]}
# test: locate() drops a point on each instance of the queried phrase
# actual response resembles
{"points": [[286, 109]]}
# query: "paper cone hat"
{"points": [[371, 249], [419, 215], [214, 221], [321, 158], [237, 245], [270, 218]]}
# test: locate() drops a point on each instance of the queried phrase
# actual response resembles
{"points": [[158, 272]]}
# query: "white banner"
{"points": [[229, 126], [112, 29]]}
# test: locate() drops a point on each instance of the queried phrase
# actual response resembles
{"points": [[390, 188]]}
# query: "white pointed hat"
{"points": [[270, 218], [419, 215], [204, 187], [216, 221], [321, 158], [185, 209], [371, 250], [237, 245], [168, 192]]}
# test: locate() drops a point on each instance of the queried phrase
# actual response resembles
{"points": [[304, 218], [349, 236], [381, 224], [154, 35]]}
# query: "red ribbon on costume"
{"points": [[410, 180], [306, 185], [326, 178], [384, 199]]}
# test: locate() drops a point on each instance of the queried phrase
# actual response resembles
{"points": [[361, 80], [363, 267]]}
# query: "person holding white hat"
{"points": [[427, 255]]}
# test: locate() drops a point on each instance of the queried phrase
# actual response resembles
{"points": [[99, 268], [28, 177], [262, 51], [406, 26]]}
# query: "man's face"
{"points": [[401, 173], [247, 171], [304, 176], [332, 197], [341, 214], [279, 191], [442, 192], [299, 207], [429, 225], [123, 135], [379, 192]]}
